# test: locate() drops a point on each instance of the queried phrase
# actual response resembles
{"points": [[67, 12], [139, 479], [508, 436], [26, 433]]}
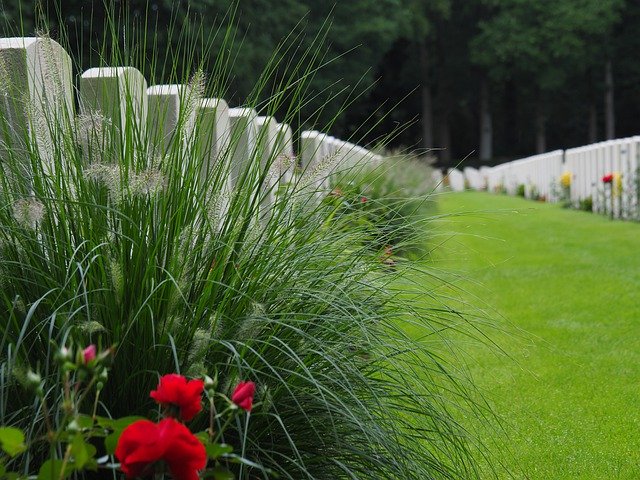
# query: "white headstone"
{"points": [[312, 153], [171, 116], [287, 159], [115, 95], [456, 180], [36, 102], [118, 93], [243, 141], [213, 139]]}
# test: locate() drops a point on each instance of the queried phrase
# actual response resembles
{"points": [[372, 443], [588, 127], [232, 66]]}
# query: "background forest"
{"points": [[488, 79]]}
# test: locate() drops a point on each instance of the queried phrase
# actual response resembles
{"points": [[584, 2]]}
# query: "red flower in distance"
{"points": [[143, 443], [607, 178], [89, 353], [242, 396], [364, 199], [175, 390]]}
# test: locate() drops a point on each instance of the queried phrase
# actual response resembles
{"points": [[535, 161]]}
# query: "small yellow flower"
{"points": [[617, 184], [565, 179]]}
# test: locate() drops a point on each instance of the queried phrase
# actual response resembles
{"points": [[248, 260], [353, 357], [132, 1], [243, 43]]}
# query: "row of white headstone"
{"points": [[36, 87], [587, 165], [590, 164]]}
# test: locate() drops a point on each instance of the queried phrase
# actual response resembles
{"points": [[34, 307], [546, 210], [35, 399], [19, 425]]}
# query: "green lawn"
{"points": [[564, 286]]}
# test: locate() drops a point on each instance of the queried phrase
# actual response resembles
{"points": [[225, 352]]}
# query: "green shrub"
{"points": [[393, 200], [109, 242], [586, 204], [521, 190]]}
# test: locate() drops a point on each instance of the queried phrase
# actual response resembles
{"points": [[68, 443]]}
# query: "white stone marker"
{"points": [[115, 95], [473, 177], [485, 173], [171, 117], [437, 179], [267, 139], [456, 179], [311, 153], [213, 145], [267, 136], [243, 142], [213, 136], [36, 88], [287, 159]]}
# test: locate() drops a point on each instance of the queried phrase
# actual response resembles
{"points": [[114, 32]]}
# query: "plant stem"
{"points": [[65, 460]]}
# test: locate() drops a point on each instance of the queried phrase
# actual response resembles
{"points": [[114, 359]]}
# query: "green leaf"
{"points": [[12, 441], [118, 425], [3, 470], [111, 442], [124, 422], [84, 421], [216, 450], [82, 453], [218, 473], [52, 470], [105, 422]]}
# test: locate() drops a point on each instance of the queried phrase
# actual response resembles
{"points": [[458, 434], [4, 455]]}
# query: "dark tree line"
{"points": [[488, 79]]}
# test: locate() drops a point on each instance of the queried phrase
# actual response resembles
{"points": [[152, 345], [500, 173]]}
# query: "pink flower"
{"points": [[89, 353], [176, 391], [143, 443], [243, 395]]}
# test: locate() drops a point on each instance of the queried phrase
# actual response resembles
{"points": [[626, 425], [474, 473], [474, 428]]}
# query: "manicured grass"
{"points": [[562, 288]]}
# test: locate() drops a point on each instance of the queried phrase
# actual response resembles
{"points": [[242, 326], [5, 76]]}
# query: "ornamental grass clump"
{"points": [[394, 198], [208, 268]]}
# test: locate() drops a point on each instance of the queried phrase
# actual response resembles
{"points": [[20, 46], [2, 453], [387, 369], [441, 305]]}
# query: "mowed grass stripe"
{"points": [[563, 289]]}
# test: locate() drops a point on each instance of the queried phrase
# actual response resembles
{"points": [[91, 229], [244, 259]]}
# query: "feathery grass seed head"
{"points": [[28, 212]]}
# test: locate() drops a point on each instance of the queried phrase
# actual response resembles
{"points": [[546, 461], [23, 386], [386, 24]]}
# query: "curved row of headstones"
{"points": [[586, 166], [37, 88], [539, 175]]}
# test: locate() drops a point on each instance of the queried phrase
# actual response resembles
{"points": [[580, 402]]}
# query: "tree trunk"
{"points": [[593, 122], [444, 139], [427, 101], [609, 108], [593, 108], [486, 123], [540, 125], [512, 140]]}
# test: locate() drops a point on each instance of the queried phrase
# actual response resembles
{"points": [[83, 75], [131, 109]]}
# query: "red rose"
{"points": [[243, 395], [364, 199], [143, 443], [176, 391], [89, 353], [607, 178]]}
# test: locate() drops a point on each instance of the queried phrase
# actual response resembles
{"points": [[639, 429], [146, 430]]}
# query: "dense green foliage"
{"points": [[567, 387], [394, 199], [535, 70], [110, 235]]}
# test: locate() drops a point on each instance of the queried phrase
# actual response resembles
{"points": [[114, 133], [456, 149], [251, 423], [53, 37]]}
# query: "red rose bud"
{"points": [[89, 353], [243, 395], [176, 391], [364, 199], [143, 443], [607, 178]]}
